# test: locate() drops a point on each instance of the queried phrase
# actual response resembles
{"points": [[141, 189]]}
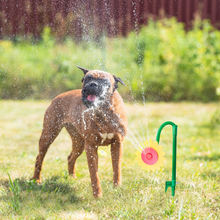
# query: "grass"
{"points": [[142, 194]]}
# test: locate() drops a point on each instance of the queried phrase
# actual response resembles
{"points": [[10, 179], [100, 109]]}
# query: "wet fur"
{"points": [[84, 126]]}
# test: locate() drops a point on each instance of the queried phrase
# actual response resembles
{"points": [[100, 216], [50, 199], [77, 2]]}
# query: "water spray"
{"points": [[152, 156]]}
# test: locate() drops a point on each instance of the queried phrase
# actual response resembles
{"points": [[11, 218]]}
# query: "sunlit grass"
{"points": [[141, 195]]}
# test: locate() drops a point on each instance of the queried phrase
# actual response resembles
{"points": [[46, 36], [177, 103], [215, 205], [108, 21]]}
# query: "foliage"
{"points": [[161, 62], [173, 64]]}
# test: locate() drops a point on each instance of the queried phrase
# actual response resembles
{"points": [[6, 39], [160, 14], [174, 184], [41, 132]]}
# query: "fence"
{"points": [[78, 18]]}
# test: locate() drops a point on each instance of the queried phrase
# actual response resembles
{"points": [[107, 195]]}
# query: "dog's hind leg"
{"points": [[77, 148], [51, 128]]}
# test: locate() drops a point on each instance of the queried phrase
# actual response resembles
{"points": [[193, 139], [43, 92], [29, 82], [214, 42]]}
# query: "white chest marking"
{"points": [[106, 136], [110, 136]]}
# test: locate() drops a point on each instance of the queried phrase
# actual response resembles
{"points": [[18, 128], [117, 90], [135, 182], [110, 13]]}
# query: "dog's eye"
{"points": [[105, 82], [89, 78]]}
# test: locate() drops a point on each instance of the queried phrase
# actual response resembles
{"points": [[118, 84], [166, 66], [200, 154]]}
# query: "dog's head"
{"points": [[98, 87]]}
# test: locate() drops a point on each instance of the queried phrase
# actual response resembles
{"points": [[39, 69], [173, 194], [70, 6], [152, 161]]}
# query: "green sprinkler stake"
{"points": [[172, 183]]}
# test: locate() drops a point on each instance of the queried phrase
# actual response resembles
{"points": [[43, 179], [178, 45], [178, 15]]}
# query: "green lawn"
{"points": [[141, 195]]}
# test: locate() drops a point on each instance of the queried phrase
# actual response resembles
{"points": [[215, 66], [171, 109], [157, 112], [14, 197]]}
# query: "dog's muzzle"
{"points": [[90, 94], [93, 94]]}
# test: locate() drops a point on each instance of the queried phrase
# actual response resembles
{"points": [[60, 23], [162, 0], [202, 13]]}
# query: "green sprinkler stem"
{"points": [[172, 183]]}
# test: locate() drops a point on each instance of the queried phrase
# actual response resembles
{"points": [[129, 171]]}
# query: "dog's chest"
{"points": [[106, 136]]}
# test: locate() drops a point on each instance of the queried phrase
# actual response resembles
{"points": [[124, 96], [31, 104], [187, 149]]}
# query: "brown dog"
{"points": [[94, 116]]}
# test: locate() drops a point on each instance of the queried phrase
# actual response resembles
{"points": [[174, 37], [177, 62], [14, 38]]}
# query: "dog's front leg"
{"points": [[92, 158], [116, 153]]}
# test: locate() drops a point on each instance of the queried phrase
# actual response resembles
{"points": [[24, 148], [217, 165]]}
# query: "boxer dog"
{"points": [[93, 116]]}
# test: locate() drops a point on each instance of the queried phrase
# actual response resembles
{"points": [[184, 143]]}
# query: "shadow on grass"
{"points": [[211, 129], [212, 157], [210, 175], [54, 185]]}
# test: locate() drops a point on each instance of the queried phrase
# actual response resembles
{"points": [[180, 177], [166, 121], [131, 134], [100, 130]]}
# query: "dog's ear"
{"points": [[84, 71], [117, 79]]}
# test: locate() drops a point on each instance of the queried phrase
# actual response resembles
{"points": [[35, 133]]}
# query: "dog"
{"points": [[93, 116]]}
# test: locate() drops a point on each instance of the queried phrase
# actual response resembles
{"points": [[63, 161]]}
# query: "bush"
{"points": [[174, 65], [40, 70], [161, 62]]}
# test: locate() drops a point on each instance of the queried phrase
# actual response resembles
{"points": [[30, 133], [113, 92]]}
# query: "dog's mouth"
{"points": [[91, 98], [94, 96]]}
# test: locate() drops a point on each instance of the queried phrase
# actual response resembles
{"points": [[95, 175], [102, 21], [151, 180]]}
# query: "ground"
{"points": [[141, 195]]}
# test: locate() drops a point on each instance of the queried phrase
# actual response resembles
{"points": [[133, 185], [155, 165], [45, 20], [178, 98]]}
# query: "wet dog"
{"points": [[94, 116]]}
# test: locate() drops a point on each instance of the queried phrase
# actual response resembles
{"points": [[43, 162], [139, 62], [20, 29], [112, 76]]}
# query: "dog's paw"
{"points": [[39, 182], [73, 175], [116, 184], [97, 195]]}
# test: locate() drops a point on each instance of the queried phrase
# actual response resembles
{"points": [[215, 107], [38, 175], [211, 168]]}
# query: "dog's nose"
{"points": [[93, 84]]}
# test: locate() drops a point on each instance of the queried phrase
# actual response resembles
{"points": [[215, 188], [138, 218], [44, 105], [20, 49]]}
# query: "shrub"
{"points": [[161, 62], [175, 65]]}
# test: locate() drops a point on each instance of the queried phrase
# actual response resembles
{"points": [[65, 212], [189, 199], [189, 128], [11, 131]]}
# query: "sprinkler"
{"points": [[152, 156], [172, 183]]}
